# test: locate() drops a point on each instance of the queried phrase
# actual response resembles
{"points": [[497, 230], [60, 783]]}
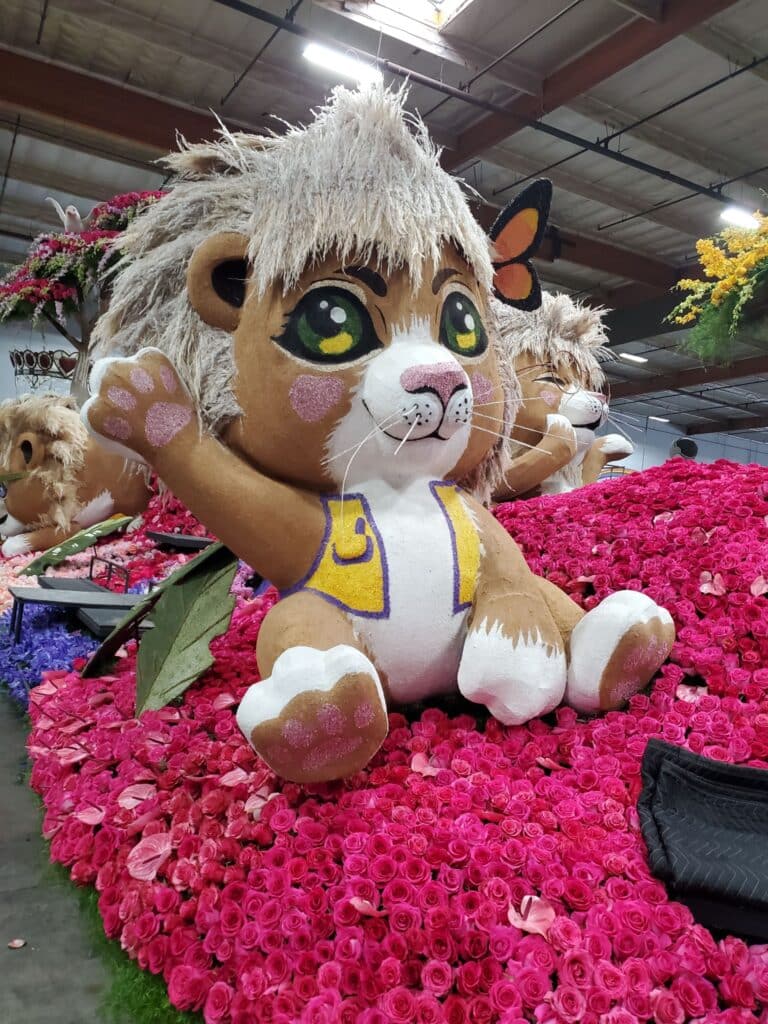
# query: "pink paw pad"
{"points": [[141, 380], [117, 427], [333, 750], [121, 398], [164, 421], [296, 734], [363, 715], [331, 719], [168, 377]]}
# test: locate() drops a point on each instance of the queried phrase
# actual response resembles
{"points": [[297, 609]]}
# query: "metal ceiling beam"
{"points": [[638, 322], [221, 60], [652, 10], [120, 111], [559, 244], [620, 50], [723, 45], [729, 426], [448, 47], [681, 379], [58, 183], [718, 164], [578, 186]]}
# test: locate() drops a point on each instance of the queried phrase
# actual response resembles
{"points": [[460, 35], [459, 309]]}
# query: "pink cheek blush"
{"points": [[313, 397], [164, 421], [550, 398], [482, 388]]}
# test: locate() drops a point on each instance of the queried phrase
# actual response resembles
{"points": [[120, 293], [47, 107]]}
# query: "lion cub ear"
{"points": [[217, 277], [28, 452]]}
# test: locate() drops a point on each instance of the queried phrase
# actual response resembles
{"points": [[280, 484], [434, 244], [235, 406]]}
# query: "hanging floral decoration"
{"points": [[62, 278], [730, 297]]}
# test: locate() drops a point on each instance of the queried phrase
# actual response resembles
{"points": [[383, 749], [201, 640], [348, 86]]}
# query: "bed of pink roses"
{"points": [[472, 873]]}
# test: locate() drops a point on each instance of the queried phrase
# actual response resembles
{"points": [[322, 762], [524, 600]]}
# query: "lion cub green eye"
{"points": [[329, 325], [461, 329]]}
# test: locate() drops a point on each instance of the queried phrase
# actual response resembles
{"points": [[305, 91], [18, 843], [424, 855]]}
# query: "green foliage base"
{"points": [[133, 996]]}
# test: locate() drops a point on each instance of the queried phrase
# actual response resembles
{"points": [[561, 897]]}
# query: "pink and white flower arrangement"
{"points": [[473, 873]]}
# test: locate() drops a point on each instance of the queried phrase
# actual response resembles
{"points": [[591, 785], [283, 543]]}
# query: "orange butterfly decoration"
{"points": [[516, 235]]}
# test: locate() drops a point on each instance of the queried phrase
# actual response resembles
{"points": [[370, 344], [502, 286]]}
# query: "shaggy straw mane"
{"points": [[562, 332], [56, 421], [362, 178]]}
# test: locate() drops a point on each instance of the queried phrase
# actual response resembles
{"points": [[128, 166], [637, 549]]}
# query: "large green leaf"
{"points": [[126, 627], [187, 617], [82, 540], [10, 478]]}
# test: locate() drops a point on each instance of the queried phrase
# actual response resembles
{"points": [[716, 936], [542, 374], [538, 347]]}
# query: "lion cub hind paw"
{"points": [[616, 650], [320, 716]]}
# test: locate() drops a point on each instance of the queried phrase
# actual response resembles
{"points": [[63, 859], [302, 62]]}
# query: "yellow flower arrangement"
{"points": [[733, 264]]}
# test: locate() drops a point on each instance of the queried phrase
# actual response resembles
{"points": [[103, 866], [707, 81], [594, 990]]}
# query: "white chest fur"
{"points": [[419, 645]]}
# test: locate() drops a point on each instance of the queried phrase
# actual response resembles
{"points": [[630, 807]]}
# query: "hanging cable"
{"points": [[680, 199], [481, 104], [10, 158], [290, 14], [755, 62], [508, 53]]}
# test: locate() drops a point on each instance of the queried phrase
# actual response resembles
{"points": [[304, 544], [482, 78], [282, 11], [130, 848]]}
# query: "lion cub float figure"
{"points": [[56, 479], [554, 353], [323, 366]]}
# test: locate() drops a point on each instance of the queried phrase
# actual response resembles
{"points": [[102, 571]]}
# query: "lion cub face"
{"points": [[548, 389], [25, 500], [354, 375]]}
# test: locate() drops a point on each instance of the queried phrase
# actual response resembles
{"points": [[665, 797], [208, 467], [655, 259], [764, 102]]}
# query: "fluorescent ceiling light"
{"points": [[341, 63], [739, 217], [659, 419], [632, 358]]}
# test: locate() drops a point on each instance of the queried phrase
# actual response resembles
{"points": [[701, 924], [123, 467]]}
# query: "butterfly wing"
{"points": [[516, 235]]}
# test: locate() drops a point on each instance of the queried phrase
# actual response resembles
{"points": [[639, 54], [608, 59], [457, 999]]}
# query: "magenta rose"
{"points": [[576, 969], [217, 1002], [436, 977], [569, 1003], [399, 1005], [505, 997], [667, 1008], [533, 985], [188, 987]]}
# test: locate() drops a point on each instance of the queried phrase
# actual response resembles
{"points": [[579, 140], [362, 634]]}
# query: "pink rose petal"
{"points": [[420, 763], [148, 856], [91, 815], [536, 916], [134, 795]]}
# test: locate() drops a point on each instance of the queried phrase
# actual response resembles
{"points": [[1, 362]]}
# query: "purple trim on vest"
{"points": [[302, 585], [435, 486]]}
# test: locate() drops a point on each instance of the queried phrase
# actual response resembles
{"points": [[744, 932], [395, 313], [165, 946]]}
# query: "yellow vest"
{"points": [[351, 569]]}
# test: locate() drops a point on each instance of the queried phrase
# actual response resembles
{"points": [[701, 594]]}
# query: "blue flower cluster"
{"points": [[47, 643]]}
